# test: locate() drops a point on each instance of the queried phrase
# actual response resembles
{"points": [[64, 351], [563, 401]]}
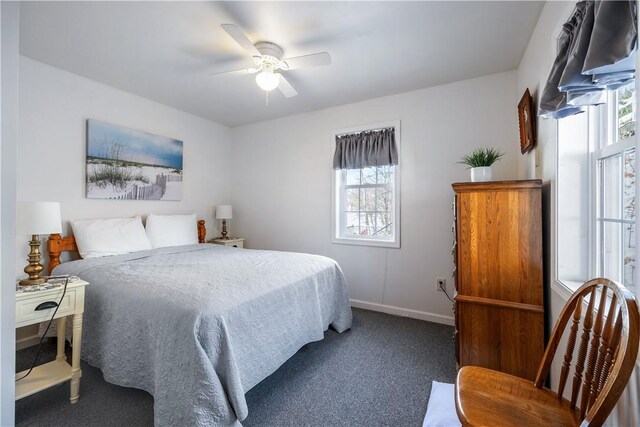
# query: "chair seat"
{"points": [[491, 398]]}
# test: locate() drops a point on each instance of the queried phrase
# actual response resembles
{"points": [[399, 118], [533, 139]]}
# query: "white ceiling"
{"points": [[165, 51]]}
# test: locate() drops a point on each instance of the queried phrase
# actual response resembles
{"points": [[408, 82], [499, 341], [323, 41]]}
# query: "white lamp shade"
{"points": [[38, 218], [268, 80], [224, 212]]}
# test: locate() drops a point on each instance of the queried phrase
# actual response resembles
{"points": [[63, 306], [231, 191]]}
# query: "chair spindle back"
{"points": [[606, 352]]}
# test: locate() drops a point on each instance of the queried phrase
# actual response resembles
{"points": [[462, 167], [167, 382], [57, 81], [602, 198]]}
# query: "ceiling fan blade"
{"points": [[286, 88], [306, 61], [241, 38], [241, 71]]}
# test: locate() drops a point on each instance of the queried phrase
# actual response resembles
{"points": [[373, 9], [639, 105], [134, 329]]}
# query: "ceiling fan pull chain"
{"points": [[267, 98]]}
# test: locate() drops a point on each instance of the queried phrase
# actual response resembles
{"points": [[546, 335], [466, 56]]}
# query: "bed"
{"points": [[197, 326]]}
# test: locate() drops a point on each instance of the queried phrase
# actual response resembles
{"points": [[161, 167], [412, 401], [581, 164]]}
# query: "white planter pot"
{"points": [[481, 174]]}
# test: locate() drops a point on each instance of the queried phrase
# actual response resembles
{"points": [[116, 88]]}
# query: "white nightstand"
{"points": [[237, 242], [58, 371]]}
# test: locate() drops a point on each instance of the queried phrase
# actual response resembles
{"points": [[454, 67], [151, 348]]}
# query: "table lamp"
{"points": [[35, 218], [224, 213]]}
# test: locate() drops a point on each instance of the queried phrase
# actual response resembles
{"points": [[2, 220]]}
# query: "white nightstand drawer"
{"points": [[234, 243], [71, 308], [26, 307]]}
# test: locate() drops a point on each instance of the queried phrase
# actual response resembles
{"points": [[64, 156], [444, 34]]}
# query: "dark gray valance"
{"points": [[596, 53], [365, 149]]}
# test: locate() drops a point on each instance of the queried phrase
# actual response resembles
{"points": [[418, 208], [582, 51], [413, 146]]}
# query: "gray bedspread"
{"points": [[198, 326]]}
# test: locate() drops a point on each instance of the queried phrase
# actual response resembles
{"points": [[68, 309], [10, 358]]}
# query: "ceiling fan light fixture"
{"points": [[268, 80], [268, 58]]}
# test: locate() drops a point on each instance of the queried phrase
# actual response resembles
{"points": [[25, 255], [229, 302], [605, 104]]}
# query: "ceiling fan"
{"points": [[269, 62]]}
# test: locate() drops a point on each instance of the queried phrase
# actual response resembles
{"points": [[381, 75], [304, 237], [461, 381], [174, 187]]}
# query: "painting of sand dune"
{"points": [[127, 164]]}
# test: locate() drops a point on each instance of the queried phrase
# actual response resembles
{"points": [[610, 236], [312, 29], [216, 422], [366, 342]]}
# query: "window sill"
{"points": [[565, 288], [366, 242]]}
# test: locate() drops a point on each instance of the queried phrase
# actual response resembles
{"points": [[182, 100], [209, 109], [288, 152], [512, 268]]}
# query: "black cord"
{"points": [[445, 291], [33, 365]]}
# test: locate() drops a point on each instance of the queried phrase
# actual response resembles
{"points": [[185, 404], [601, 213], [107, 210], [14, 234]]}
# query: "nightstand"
{"points": [[58, 371], [238, 242]]}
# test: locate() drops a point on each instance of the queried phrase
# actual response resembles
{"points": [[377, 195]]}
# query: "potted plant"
{"points": [[480, 161]]}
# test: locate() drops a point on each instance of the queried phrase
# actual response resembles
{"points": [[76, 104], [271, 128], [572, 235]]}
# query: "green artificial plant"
{"points": [[482, 157]]}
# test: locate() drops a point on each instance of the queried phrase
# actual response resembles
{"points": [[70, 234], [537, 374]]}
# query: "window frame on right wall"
{"points": [[587, 187], [614, 206], [339, 185]]}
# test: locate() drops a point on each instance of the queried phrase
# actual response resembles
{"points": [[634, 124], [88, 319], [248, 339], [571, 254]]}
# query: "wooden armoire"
{"points": [[499, 310]]}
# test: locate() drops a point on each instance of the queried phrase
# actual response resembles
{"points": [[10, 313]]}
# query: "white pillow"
{"points": [[172, 230], [112, 236]]}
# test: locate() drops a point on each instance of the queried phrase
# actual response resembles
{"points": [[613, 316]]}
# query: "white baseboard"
{"points": [[406, 312], [27, 342]]}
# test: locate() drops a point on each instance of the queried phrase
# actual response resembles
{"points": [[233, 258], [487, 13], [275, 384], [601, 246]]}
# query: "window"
{"points": [[616, 189], [366, 201], [596, 234]]}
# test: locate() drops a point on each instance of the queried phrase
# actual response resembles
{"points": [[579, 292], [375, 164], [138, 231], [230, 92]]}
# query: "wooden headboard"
{"points": [[58, 244]]}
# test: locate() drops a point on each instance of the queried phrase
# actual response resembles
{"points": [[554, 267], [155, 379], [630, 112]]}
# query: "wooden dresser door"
{"points": [[499, 305]]}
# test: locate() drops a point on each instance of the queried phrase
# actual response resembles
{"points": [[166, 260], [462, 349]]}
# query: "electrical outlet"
{"points": [[441, 284]]}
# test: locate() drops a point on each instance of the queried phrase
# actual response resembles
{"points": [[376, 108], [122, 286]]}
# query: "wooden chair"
{"points": [[608, 344]]}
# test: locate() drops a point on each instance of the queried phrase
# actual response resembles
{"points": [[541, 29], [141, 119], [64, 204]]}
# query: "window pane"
{"points": [[367, 223], [369, 175], [384, 202], [625, 111], [629, 189], [384, 225], [353, 199], [353, 176], [385, 174], [368, 199], [352, 226], [611, 251], [611, 187], [629, 248]]}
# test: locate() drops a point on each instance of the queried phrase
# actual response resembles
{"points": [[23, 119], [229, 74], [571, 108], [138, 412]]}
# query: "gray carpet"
{"points": [[377, 374]]}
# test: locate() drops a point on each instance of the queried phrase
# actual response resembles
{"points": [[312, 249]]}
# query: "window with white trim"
{"points": [[366, 203], [615, 188], [596, 189]]}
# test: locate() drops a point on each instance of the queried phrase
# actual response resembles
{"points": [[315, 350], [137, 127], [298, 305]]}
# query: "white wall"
{"points": [[532, 73], [53, 109], [9, 18], [282, 175]]}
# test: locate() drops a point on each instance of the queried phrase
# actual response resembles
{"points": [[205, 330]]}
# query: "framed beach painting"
{"points": [[126, 164]]}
